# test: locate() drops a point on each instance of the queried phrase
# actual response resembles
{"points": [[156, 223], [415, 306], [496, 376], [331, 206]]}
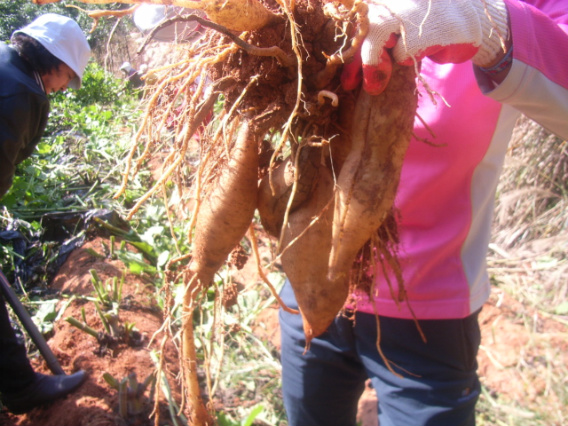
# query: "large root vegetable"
{"points": [[276, 188], [227, 211], [223, 219], [273, 194], [305, 260], [367, 184], [236, 15]]}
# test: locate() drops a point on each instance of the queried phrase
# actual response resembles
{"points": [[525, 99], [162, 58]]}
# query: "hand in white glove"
{"points": [[444, 30]]}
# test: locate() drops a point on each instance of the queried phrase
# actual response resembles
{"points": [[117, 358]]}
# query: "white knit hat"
{"points": [[64, 39]]}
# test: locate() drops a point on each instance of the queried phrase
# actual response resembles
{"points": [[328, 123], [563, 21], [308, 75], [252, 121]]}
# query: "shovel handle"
{"points": [[29, 325]]}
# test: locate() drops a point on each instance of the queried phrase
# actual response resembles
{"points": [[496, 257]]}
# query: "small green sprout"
{"points": [[131, 398]]}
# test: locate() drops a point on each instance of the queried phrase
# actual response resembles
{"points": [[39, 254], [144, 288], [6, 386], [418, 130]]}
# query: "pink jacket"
{"points": [[446, 191]]}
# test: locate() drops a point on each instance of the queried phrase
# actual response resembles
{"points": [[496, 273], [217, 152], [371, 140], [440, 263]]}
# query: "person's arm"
{"points": [[23, 119], [446, 31], [536, 82], [498, 70]]}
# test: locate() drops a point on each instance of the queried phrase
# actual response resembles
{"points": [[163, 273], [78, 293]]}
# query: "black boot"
{"points": [[42, 390]]}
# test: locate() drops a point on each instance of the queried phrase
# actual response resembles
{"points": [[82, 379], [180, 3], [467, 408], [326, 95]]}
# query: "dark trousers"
{"points": [[15, 370], [438, 384]]}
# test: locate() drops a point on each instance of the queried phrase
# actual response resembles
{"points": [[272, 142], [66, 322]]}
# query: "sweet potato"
{"points": [[199, 415], [368, 180], [305, 261], [227, 211], [274, 190], [236, 15], [273, 194], [223, 219]]}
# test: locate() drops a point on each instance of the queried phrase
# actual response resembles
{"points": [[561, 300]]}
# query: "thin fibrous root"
{"points": [[495, 27], [95, 15], [190, 130], [274, 51], [291, 198], [360, 10], [286, 132]]}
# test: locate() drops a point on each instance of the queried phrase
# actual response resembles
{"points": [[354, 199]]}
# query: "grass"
{"points": [[528, 264], [250, 361], [240, 371], [531, 388]]}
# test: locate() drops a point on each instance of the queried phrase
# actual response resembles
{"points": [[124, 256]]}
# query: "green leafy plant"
{"points": [[248, 421], [131, 393], [83, 326], [107, 304], [74, 167], [109, 294]]}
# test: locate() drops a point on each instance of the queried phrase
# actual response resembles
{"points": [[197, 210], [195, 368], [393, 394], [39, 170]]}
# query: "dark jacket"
{"points": [[24, 109]]}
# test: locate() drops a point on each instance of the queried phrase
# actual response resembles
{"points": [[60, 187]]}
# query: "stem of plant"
{"points": [[82, 327], [103, 318], [123, 398]]}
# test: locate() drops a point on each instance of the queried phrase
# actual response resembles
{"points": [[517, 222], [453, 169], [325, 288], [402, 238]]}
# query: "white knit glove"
{"points": [[444, 30]]}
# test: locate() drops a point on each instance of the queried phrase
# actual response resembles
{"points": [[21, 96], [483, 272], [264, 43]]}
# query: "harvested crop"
{"points": [[237, 15], [367, 183], [223, 218], [328, 191], [226, 211], [305, 259], [288, 186]]}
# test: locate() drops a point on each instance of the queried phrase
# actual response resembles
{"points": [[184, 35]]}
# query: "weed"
{"points": [[107, 304], [109, 294], [131, 394]]}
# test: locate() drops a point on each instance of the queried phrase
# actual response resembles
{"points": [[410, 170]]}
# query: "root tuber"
{"points": [[368, 180]]}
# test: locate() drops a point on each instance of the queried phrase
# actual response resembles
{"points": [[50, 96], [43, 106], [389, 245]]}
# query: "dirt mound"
{"points": [[512, 361], [96, 403]]}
